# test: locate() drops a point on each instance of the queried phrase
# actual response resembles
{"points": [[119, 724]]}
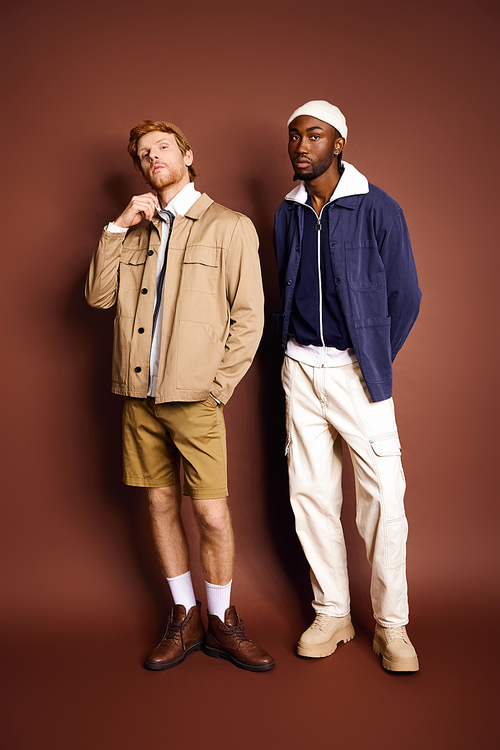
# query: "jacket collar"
{"points": [[196, 211], [182, 201], [351, 184], [199, 207]]}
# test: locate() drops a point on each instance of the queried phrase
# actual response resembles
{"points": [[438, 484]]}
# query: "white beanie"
{"points": [[323, 111]]}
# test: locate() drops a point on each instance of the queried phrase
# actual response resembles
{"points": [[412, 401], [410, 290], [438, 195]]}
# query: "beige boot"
{"points": [[396, 649], [322, 637]]}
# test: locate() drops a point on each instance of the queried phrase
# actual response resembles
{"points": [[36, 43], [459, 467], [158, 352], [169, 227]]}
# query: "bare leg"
{"points": [[168, 529], [216, 540], [226, 637]]}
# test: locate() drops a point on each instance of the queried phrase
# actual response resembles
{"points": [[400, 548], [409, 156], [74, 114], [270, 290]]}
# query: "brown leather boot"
{"points": [[184, 633], [228, 640]]}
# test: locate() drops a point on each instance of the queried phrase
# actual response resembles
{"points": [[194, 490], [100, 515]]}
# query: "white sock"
{"points": [[181, 588], [218, 599]]}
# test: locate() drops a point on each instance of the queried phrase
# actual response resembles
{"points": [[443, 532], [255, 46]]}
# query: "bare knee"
{"points": [[164, 500], [212, 516]]}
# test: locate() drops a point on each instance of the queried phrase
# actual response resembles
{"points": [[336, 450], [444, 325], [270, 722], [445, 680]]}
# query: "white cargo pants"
{"points": [[321, 404]]}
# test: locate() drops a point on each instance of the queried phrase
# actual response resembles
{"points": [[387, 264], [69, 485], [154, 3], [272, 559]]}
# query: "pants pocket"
{"points": [[396, 536], [387, 448], [386, 445]]}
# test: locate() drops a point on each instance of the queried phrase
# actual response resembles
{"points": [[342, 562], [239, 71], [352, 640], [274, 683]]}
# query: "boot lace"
{"points": [[173, 631], [237, 632], [321, 622], [394, 633]]}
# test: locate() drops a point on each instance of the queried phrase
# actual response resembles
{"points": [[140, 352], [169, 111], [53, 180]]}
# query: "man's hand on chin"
{"points": [[140, 207]]}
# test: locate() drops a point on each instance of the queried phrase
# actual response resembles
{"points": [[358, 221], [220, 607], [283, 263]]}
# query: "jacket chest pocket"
{"points": [[131, 275], [365, 270], [132, 268], [200, 269]]}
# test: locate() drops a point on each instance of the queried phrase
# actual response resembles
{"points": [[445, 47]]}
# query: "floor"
{"points": [[84, 688]]}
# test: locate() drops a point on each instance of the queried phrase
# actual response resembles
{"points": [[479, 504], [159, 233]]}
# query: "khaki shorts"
{"points": [[157, 436]]}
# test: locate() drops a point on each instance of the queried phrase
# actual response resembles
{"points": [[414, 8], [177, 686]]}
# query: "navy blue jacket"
{"points": [[374, 272]]}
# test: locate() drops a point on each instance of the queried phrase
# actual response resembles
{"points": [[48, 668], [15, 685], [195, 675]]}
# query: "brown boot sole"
{"points": [[320, 650], [216, 653], [157, 665], [394, 664]]}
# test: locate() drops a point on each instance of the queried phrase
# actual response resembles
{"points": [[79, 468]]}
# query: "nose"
{"points": [[302, 146], [153, 155], [298, 145]]}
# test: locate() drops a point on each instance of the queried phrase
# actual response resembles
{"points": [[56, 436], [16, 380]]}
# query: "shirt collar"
{"points": [[180, 203], [351, 182]]}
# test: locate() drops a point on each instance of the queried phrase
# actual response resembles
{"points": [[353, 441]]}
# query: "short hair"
{"points": [[151, 126]]}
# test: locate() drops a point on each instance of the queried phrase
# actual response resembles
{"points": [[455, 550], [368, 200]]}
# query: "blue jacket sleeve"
{"points": [[403, 293]]}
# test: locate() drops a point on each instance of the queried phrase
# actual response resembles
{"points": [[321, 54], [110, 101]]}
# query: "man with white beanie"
{"points": [[350, 296]]}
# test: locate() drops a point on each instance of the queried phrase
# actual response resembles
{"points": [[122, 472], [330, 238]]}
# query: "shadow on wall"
{"points": [[94, 328]]}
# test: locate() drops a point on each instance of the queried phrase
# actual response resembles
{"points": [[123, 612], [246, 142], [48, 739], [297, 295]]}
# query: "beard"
{"points": [[316, 171], [171, 175]]}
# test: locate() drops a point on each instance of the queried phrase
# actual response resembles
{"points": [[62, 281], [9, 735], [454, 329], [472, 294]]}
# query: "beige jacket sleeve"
{"points": [[246, 308], [101, 286]]}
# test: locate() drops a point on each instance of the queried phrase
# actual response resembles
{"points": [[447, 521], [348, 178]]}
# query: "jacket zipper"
{"points": [[318, 228]]}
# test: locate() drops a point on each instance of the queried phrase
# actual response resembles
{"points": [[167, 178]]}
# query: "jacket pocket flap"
{"points": [[205, 256], [133, 257]]}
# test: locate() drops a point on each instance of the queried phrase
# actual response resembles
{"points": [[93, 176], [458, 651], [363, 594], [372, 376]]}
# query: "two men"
{"points": [[189, 319], [349, 299], [189, 316]]}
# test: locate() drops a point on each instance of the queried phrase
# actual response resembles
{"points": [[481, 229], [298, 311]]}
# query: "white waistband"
{"points": [[320, 356]]}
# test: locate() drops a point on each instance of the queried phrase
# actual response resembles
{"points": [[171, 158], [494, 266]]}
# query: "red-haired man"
{"points": [[189, 317]]}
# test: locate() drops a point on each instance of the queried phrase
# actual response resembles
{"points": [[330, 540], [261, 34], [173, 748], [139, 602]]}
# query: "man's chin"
{"points": [[304, 176], [157, 182]]}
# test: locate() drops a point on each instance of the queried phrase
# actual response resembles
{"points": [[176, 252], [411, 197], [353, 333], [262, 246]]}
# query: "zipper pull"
{"points": [[318, 225]]}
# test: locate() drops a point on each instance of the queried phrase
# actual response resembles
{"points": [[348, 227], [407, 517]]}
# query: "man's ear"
{"points": [[338, 145], [188, 158]]}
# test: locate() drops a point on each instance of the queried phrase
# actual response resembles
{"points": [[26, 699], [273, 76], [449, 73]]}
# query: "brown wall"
{"points": [[418, 84]]}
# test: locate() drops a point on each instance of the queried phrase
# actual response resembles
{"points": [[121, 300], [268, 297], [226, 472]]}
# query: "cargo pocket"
{"points": [[396, 534], [386, 445], [388, 449]]}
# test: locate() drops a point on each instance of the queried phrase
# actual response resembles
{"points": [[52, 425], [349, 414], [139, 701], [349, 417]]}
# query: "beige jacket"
{"points": [[213, 303]]}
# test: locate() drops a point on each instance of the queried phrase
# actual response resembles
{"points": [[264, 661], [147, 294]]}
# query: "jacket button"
{"points": [[144, 291], [297, 247], [150, 252], [289, 282], [141, 330], [283, 315], [137, 369], [337, 281]]}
